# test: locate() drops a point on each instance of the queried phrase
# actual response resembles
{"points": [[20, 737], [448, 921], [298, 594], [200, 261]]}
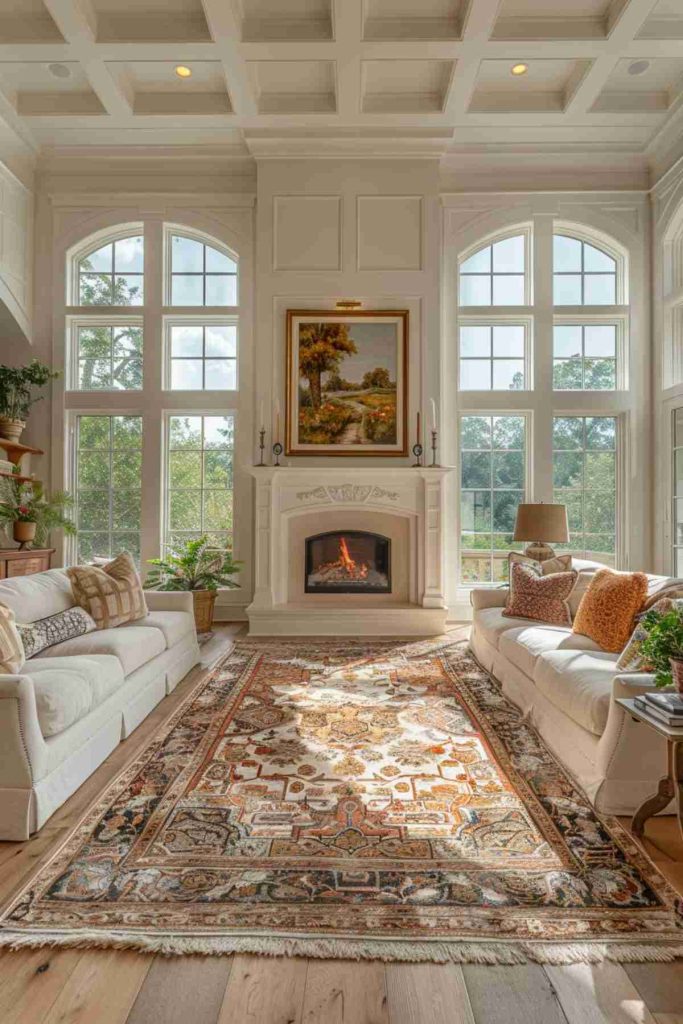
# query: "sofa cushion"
{"points": [[525, 644], [132, 647], [543, 598], [35, 597], [608, 608], [113, 595], [43, 633], [68, 689], [174, 625], [491, 623], [579, 683], [12, 652]]}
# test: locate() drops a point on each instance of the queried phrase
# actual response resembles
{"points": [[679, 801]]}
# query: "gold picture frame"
{"points": [[352, 399]]}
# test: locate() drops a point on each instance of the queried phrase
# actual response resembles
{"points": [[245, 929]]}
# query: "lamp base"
{"points": [[539, 551]]}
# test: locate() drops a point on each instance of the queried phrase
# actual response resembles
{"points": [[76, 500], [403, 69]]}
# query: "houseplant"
{"points": [[199, 568], [17, 384], [33, 512], [662, 648]]}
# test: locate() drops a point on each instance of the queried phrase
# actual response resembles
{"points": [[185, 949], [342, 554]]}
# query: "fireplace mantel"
{"points": [[413, 495]]}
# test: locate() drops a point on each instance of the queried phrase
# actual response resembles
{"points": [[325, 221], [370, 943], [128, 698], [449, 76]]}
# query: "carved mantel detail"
{"points": [[347, 494]]}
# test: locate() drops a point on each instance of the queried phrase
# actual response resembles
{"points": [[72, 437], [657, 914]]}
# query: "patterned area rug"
{"points": [[350, 799]]}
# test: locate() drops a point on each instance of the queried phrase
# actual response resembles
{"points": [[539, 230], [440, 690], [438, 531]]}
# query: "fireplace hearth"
{"points": [[348, 562]]}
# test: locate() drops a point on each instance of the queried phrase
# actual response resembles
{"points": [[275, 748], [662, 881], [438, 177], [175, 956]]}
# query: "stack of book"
{"points": [[665, 707]]}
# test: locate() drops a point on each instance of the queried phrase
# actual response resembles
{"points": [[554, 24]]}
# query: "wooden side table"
{"points": [[670, 785], [14, 562]]}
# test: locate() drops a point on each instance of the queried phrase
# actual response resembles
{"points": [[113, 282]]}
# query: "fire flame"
{"points": [[351, 567]]}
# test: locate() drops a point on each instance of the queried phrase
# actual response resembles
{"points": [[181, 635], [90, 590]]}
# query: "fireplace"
{"points": [[348, 562]]}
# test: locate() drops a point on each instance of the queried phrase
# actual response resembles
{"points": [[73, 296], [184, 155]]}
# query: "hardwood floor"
{"points": [[116, 987]]}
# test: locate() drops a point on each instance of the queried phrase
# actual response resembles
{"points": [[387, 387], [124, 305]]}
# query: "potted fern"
{"points": [[33, 512], [662, 648], [199, 568], [17, 384]]}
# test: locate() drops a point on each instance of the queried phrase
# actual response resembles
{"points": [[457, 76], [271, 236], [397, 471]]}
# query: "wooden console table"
{"points": [[670, 785], [14, 562]]}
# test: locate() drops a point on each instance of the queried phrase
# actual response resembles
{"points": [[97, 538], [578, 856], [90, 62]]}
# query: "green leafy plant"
{"points": [[196, 566], [27, 501], [663, 641], [16, 387]]}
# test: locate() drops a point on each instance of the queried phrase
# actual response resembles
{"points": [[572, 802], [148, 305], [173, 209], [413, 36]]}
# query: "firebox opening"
{"points": [[348, 562]]}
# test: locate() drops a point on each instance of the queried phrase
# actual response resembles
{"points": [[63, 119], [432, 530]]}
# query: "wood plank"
{"points": [[345, 992], [264, 990], [181, 989], [669, 1018], [102, 988], [598, 994], [31, 980], [660, 985], [512, 995], [427, 994]]}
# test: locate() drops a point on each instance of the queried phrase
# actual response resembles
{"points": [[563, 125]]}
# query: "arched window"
{"points": [[520, 356], [176, 333]]}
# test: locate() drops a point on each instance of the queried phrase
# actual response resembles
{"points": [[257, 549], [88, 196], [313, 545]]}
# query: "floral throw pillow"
{"points": [[543, 598], [43, 633]]}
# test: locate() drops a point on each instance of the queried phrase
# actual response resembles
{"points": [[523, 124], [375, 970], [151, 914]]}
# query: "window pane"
{"points": [[508, 255], [508, 290], [200, 479], [508, 340], [187, 341], [596, 261], [475, 290], [508, 374], [94, 374], [475, 375], [187, 290], [129, 256], [100, 259], [600, 340], [568, 374], [599, 290], [585, 481], [600, 374], [221, 340], [96, 290], [475, 340], [567, 290], [221, 374], [566, 254], [108, 485], [479, 263], [187, 255], [221, 290], [218, 263], [567, 340], [186, 375], [492, 486]]}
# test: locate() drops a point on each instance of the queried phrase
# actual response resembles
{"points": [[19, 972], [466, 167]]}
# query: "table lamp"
{"points": [[540, 523]]}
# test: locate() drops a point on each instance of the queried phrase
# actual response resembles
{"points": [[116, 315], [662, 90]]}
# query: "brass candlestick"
{"points": [[434, 438], [261, 444]]}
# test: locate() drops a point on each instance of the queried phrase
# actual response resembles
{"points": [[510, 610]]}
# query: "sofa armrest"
{"points": [[169, 601], [488, 597], [633, 684], [23, 753]]}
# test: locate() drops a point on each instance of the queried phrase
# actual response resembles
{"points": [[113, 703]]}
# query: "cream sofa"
{"points": [[72, 704], [566, 686]]}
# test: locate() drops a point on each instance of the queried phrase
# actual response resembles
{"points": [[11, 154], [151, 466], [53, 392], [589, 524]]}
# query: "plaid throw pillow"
{"points": [[113, 595]]}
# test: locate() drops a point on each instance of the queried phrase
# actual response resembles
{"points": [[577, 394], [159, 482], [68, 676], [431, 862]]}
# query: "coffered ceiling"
{"points": [[282, 77]]}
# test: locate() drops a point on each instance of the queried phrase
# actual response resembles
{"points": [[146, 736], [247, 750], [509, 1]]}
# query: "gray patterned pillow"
{"points": [[43, 633]]}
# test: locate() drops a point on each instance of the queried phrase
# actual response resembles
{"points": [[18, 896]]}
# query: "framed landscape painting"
{"points": [[347, 382]]}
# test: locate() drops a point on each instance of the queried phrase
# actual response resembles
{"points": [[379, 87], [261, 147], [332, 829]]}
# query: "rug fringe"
{"points": [[429, 951]]}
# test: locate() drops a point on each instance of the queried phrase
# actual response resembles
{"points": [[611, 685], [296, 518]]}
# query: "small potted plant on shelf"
{"points": [[16, 395], [199, 568], [33, 512], [662, 648]]}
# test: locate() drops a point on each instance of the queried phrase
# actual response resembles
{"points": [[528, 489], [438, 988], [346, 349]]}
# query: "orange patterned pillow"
{"points": [[608, 608], [543, 598]]}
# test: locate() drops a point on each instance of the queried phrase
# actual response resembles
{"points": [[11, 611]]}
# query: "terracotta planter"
{"points": [[677, 673], [204, 601], [11, 429], [23, 533]]}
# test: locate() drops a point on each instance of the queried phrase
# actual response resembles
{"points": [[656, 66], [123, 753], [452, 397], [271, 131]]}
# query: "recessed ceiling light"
{"points": [[59, 70], [182, 71], [519, 69], [639, 67]]}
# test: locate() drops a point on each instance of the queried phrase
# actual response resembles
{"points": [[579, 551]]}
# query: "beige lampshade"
{"points": [[542, 522]]}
